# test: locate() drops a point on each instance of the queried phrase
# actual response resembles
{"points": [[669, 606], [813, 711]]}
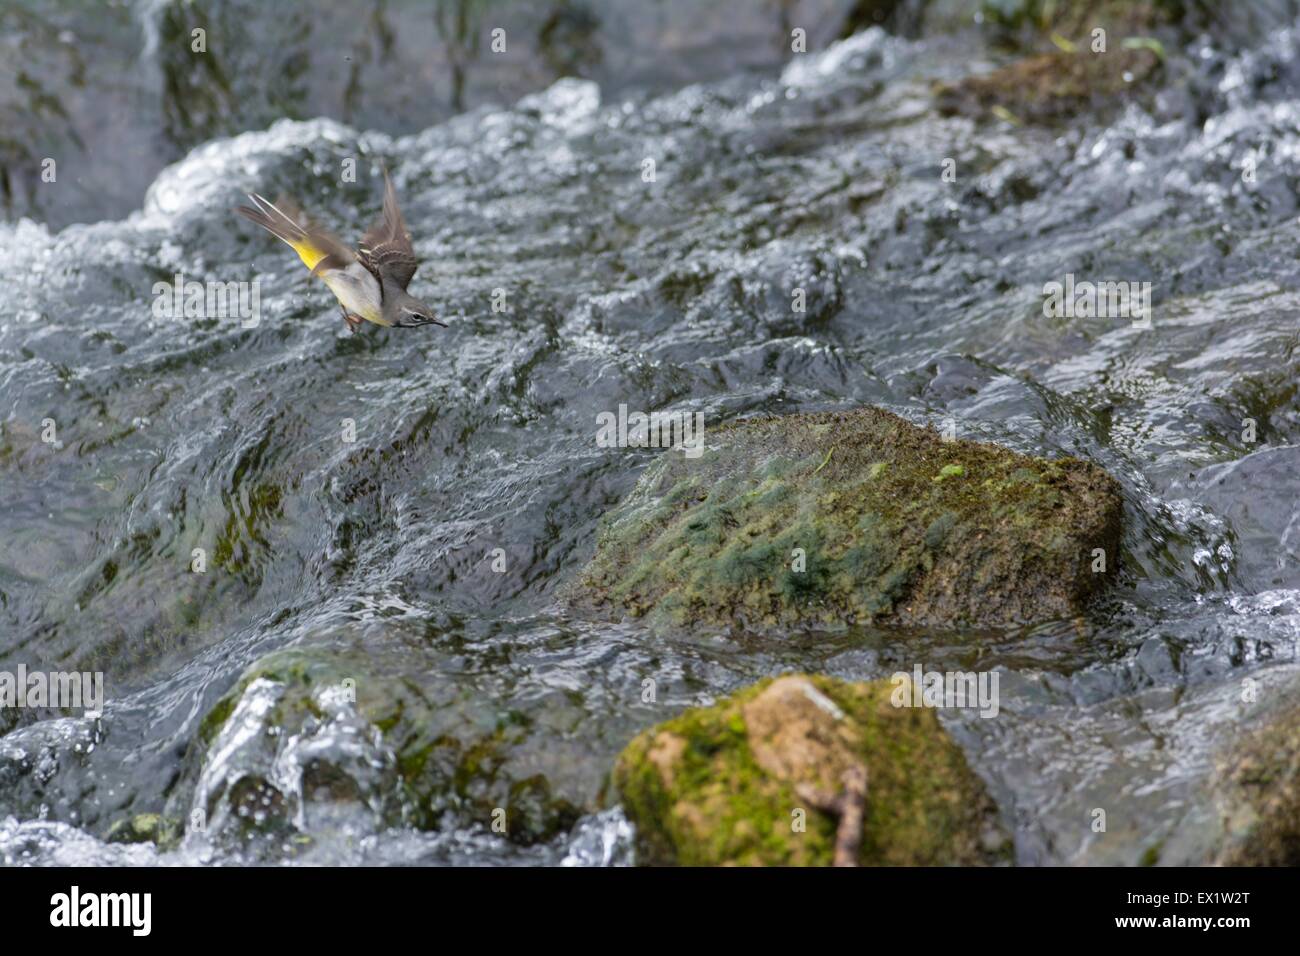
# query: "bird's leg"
{"points": [[352, 321]]}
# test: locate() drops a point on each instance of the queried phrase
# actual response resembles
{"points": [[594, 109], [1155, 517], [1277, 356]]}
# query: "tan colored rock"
{"points": [[798, 734]]}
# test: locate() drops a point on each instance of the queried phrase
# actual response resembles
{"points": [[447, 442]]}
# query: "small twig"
{"points": [[849, 805]]}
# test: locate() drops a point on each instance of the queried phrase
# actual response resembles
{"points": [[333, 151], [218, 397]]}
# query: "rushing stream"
{"points": [[433, 544]]}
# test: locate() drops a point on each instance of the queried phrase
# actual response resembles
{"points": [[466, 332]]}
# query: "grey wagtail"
{"points": [[370, 283]]}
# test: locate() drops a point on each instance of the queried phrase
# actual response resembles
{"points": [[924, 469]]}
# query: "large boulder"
{"points": [[857, 516], [738, 782]]}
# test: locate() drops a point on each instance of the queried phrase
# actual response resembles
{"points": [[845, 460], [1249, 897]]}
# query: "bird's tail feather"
{"points": [[273, 220], [319, 250]]}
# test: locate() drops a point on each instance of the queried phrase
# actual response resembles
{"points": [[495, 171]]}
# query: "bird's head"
{"points": [[412, 312]]}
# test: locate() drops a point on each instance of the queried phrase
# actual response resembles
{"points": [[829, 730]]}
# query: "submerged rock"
{"points": [[858, 516], [738, 783], [318, 739], [1259, 495]]}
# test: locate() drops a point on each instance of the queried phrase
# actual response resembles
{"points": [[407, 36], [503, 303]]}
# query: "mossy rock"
{"points": [[852, 517], [1050, 87], [1059, 74], [722, 785], [433, 749], [1259, 793], [154, 828]]}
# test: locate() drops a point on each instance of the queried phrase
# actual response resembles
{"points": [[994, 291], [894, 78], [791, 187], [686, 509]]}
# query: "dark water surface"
{"points": [[923, 296]]}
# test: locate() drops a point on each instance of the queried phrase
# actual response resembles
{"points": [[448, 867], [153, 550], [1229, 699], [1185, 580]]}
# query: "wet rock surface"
{"points": [[391, 67], [308, 740], [436, 543], [1259, 496]]}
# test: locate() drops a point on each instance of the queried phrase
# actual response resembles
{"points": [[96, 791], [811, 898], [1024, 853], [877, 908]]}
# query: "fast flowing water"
{"points": [[433, 543]]}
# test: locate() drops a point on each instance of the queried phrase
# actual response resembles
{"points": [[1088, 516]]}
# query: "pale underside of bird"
{"points": [[369, 283]]}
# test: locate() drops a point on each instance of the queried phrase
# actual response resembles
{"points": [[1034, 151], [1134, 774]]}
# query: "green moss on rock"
{"points": [[153, 828], [858, 516], [1060, 74], [1050, 87], [1259, 793], [721, 785]]}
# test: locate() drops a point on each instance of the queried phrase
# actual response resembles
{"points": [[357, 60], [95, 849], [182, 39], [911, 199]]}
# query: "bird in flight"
{"points": [[369, 283]]}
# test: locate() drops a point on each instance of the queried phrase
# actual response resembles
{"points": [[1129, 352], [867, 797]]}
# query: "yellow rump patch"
{"points": [[309, 253]]}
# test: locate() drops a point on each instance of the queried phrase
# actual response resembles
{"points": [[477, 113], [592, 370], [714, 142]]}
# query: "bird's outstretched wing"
{"points": [[386, 248], [319, 249]]}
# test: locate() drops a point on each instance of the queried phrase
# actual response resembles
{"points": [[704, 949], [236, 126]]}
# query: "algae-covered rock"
{"points": [[1050, 86], [319, 738], [733, 783], [145, 828], [858, 516], [1068, 65], [1259, 793]]}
